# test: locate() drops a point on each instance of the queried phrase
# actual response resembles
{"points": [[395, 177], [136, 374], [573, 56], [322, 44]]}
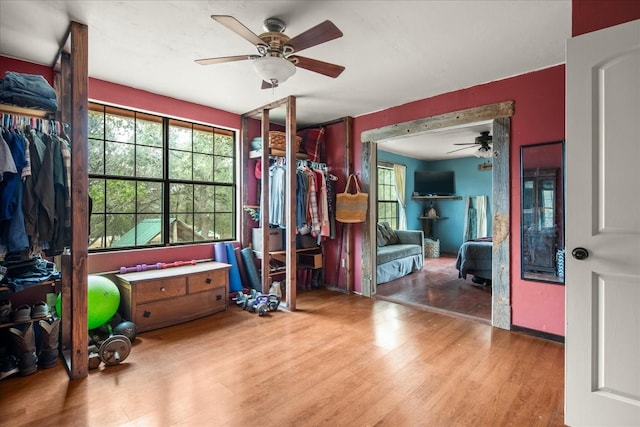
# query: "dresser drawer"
{"points": [[206, 281], [160, 289], [158, 314]]}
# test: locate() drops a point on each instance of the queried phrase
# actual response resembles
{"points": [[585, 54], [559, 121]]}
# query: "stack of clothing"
{"points": [[27, 90], [23, 271]]}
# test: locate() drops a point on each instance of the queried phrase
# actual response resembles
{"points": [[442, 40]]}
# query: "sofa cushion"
{"points": [[388, 233], [393, 252]]}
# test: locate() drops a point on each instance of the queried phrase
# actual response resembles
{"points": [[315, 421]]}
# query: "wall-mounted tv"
{"points": [[434, 183]]}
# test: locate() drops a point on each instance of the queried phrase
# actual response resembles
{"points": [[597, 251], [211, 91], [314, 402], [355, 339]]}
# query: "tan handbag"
{"points": [[351, 208]]}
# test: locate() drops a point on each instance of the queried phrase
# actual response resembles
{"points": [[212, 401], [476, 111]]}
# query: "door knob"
{"points": [[580, 253]]}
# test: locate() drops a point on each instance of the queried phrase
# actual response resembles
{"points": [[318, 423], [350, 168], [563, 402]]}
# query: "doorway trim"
{"points": [[501, 114]]}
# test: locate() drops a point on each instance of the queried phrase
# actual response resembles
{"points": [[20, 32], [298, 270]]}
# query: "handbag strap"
{"points": [[355, 179]]}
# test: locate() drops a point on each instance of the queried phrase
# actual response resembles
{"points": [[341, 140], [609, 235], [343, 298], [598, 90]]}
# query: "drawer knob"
{"points": [[162, 289], [208, 280], [146, 313]]}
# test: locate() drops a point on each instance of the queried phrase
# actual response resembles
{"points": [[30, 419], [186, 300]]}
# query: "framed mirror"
{"points": [[542, 212]]}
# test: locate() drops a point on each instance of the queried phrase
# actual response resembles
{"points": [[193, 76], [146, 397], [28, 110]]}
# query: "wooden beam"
{"points": [[264, 201], [501, 293], [456, 118], [290, 205], [79, 357]]}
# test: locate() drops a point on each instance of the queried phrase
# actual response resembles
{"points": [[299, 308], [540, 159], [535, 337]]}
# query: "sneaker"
{"points": [[39, 310], [8, 366], [22, 314]]}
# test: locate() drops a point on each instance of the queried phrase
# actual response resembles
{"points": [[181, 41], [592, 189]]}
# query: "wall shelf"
{"points": [[436, 197]]}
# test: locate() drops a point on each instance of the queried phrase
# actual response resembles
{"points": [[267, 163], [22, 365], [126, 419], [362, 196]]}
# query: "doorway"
{"points": [[501, 115], [445, 160]]}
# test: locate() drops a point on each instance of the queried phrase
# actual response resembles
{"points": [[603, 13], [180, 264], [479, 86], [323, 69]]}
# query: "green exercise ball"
{"points": [[103, 300]]}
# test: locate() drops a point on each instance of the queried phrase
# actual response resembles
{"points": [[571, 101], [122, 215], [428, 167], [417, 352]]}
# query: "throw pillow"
{"points": [[389, 234], [381, 241]]}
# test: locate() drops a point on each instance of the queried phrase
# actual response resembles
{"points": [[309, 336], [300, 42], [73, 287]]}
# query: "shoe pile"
{"points": [[33, 340]]}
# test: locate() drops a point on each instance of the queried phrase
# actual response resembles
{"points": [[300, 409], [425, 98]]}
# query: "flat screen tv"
{"points": [[434, 183]]}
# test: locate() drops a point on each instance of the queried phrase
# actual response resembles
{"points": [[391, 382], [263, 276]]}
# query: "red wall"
{"points": [[593, 15], [335, 155], [11, 64]]}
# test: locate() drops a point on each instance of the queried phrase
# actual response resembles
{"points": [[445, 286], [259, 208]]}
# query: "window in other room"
{"points": [[387, 198]]}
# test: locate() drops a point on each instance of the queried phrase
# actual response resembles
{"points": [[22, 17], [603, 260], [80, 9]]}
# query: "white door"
{"points": [[602, 359]]}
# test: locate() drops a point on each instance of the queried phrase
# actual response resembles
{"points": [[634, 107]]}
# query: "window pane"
{"points": [[203, 198], [96, 156], [117, 226], [97, 194], [181, 228], [97, 233], [203, 227], [148, 130], [148, 162], [180, 136], [203, 167], [149, 197], [121, 196], [223, 171], [224, 199], [96, 124], [224, 226], [224, 145], [119, 128], [181, 198], [203, 141], [119, 159], [180, 165]]}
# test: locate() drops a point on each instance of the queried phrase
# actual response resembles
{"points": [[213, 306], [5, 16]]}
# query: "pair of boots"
{"points": [[36, 345]]}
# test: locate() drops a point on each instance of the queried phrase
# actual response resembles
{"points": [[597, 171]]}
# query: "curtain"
{"points": [[400, 172], [481, 209], [475, 217]]}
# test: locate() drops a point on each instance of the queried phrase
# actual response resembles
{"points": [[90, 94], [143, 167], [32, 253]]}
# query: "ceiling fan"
{"points": [[277, 57], [484, 141]]}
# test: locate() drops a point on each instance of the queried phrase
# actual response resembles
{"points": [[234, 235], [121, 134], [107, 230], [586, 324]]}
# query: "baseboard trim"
{"points": [[539, 334]]}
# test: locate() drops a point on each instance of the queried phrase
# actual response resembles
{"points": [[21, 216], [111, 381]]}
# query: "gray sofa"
{"points": [[399, 252]]}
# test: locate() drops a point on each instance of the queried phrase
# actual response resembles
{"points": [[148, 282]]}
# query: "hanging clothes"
{"points": [[37, 196]]}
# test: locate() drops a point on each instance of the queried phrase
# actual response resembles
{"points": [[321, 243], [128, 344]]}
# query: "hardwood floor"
{"points": [[437, 288], [339, 360]]}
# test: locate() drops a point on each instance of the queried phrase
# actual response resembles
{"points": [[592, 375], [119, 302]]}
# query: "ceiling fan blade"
{"points": [[321, 33], [459, 149], [326, 68], [219, 60], [237, 27], [466, 143]]}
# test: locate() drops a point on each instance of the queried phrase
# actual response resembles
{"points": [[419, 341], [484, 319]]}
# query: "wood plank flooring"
{"points": [[340, 360], [438, 288]]}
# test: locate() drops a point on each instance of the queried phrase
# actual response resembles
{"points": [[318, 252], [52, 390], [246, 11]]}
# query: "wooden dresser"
{"points": [[158, 298]]}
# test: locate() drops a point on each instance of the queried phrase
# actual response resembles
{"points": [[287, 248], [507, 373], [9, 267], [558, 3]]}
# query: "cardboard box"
{"points": [[275, 239]]}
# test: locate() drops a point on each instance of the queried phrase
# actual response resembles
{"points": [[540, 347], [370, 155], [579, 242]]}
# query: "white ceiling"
{"points": [[394, 52]]}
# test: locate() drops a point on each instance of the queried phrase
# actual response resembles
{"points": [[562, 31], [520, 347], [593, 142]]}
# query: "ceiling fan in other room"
{"points": [[484, 141], [277, 57]]}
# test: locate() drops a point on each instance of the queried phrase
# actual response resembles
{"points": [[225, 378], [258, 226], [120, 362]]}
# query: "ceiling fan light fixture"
{"points": [[484, 152], [273, 69]]}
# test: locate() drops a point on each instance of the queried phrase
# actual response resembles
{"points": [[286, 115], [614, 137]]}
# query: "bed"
{"points": [[474, 258]]}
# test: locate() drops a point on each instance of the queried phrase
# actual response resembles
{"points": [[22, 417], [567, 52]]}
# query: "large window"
{"points": [[387, 198], [155, 181]]}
